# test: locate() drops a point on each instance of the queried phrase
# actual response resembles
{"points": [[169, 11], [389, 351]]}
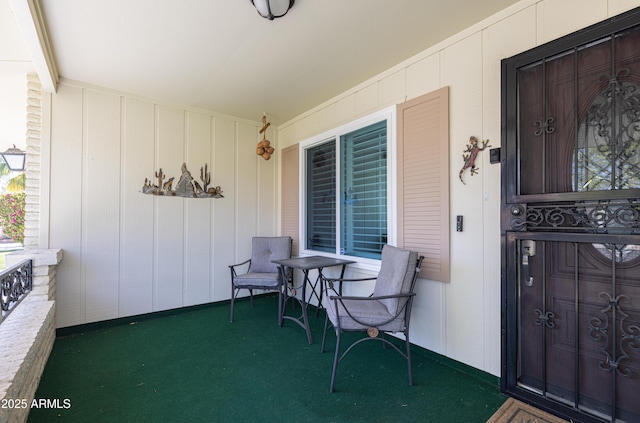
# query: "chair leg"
{"points": [[335, 360], [324, 334], [280, 307], [409, 357], [233, 297], [251, 297], [320, 298]]}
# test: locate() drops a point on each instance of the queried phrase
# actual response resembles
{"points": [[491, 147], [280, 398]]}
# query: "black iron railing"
{"points": [[15, 283]]}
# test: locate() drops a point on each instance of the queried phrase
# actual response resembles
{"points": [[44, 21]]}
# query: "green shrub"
{"points": [[12, 215]]}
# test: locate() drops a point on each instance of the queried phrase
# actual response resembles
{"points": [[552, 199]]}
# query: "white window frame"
{"points": [[388, 114]]}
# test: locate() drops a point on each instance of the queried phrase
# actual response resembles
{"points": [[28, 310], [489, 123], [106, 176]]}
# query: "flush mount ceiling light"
{"points": [[271, 9]]}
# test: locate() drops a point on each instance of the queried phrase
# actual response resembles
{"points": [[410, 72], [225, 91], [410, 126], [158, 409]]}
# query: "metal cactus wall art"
{"points": [[186, 186]]}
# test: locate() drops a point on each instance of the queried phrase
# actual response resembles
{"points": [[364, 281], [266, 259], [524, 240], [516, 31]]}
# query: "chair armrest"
{"points": [[374, 320], [379, 297], [330, 281], [349, 279], [231, 266]]}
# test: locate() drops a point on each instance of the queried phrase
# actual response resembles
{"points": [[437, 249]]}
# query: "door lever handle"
{"points": [[528, 250], [526, 275]]}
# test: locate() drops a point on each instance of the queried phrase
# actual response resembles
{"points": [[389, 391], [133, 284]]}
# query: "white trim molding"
{"points": [[30, 19]]}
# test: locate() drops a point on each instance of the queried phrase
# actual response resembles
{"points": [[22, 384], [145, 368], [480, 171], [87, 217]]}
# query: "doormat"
{"points": [[514, 411]]}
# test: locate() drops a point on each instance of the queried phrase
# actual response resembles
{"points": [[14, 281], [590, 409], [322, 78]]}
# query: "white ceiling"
{"points": [[220, 55], [12, 47]]}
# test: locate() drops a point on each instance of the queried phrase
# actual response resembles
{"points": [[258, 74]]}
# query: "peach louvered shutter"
{"points": [[423, 181], [290, 194]]}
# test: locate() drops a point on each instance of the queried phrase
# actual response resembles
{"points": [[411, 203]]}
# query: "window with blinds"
{"points": [[321, 197], [363, 187], [346, 192]]}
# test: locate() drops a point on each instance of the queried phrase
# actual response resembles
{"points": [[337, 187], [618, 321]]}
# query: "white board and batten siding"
{"points": [[128, 253]]}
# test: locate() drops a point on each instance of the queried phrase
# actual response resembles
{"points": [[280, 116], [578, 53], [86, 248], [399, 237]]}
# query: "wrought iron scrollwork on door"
{"points": [[607, 156], [607, 329], [544, 318], [604, 217], [544, 126]]}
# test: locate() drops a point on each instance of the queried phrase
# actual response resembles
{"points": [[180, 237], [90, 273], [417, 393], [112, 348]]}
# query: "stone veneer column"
{"points": [[32, 170]]}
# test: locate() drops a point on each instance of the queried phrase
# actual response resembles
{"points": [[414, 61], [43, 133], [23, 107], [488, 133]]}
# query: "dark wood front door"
{"points": [[571, 223]]}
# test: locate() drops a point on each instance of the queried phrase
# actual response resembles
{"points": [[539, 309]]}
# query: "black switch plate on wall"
{"points": [[458, 223], [494, 155]]}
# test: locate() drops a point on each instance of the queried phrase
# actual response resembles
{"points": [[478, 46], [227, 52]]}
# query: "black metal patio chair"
{"points": [[386, 310], [261, 273]]}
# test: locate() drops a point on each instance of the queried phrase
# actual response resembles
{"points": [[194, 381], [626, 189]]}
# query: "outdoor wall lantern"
{"points": [[271, 9], [14, 158]]}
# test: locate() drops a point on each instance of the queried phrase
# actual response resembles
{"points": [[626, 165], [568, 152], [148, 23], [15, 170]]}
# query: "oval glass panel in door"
{"points": [[607, 154]]}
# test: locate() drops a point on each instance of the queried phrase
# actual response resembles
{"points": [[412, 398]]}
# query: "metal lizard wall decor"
{"points": [[470, 154]]}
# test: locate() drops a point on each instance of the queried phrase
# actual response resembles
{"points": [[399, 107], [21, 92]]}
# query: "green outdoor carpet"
{"points": [[194, 366]]}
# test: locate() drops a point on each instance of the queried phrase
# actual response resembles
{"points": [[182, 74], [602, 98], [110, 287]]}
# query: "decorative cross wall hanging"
{"points": [[264, 148]]}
